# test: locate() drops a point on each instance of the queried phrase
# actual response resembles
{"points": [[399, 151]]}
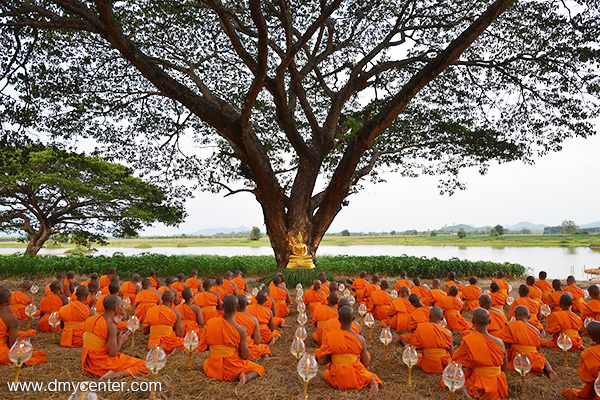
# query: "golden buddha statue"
{"points": [[300, 257]]}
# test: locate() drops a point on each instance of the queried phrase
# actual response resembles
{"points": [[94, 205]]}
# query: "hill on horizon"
{"points": [[222, 230]]}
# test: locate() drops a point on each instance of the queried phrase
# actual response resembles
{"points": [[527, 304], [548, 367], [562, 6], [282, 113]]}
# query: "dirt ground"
{"points": [[281, 380]]}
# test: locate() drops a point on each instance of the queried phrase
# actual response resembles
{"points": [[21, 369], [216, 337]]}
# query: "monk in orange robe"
{"points": [[435, 341], [270, 304], [554, 297], [106, 279], [93, 277], [208, 301], [453, 282], [60, 277], [240, 282], [359, 285], [21, 299], [524, 338], [421, 291], [9, 331], [250, 324], [379, 302], [193, 282], [114, 278], [154, 282], [534, 292], [403, 281], [588, 367], [484, 357], [502, 284], [497, 317], [419, 314], [163, 323], [49, 304], [130, 289], [498, 299], [179, 285], [145, 300], [72, 317], [218, 288], [264, 316], [314, 297], [532, 306], [544, 286], [191, 314], [436, 293], [577, 293], [471, 294], [346, 355], [113, 288], [228, 285], [399, 311], [324, 283], [334, 323], [281, 297], [227, 343], [169, 287], [87, 301], [102, 343], [322, 314], [592, 307], [564, 321], [372, 287], [69, 282], [453, 307]]}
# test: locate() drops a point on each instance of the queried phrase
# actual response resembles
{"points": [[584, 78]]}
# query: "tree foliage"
{"points": [[569, 227], [255, 233], [498, 230]]}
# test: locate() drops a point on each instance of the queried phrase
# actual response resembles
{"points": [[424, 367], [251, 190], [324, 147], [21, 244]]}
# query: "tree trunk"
{"points": [[37, 241]]}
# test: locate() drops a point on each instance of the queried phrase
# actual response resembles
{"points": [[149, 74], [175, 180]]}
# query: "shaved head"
{"points": [[530, 280], [334, 286], [219, 280], [333, 299], [5, 295], [135, 277], [385, 285], [453, 291], [436, 314], [82, 292], [481, 317], [343, 302], [404, 291], [523, 290], [55, 287], [261, 297], [26, 285], [242, 302], [111, 302], [472, 280], [521, 313], [593, 330], [375, 278], [145, 283], [556, 285], [500, 274], [345, 315], [415, 301], [417, 281], [436, 283], [494, 287], [114, 287], [93, 286], [317, 285], [451, 276], [542, 275], [485, 301], [362, 274], [207, 284], [94, 276], [594, 292], [168, 297], [230, 304], [187, 294], [566, 301], [570, 279], [112, 271]]}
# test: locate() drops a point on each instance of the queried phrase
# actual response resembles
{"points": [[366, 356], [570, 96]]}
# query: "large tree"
{"points": [[47, 192], [298, 101]]}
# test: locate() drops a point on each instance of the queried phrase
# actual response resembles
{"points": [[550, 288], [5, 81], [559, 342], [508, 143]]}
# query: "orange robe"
{"points": [[193, 284], [87, 302], [483, 359], [503, 285], [564, 322], [532, 306], [437, 296], [588, 372], [86, 283], [334, 324], [18, 302], [546, 289], [452, 307], [471, 294], [189, 319], [38, 357], [153, 283], [263, 315], [240, 283], [345, 371], [145, 300], [48, 305], [399, 313], [220, 291], [322, 314], [424, 294], [208, 302], [95, 359], [324, 289], [73, 316], [228, 286], [280, 297], [359, 285], [578, 297], [498, 321], [369, 291], [419, 315], [100, 304], [523, 339], [403, 283], [458, 285], [535, 294], [179, 288], [129, 291], [224, 362], [498, 299], [104, 281], [379, 304], [248, 323], [436, 343], [591, 310], [554, 300], [161, 320], [313, 298]]}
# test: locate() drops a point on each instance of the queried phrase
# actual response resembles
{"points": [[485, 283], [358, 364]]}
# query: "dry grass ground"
{"points": [[281, 380]]}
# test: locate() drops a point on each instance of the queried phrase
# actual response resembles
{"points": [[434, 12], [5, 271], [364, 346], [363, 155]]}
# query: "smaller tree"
{"points": [[433, 233], [569, 227], [526, 231], [462, 234], [255, 233], [345, 232], [499, 230]]}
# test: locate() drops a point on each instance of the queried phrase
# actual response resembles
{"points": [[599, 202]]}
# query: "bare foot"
{"points": [[273, 340], [269, 358], [113, 375], [242, 378], [551, 373], [374, 386]]}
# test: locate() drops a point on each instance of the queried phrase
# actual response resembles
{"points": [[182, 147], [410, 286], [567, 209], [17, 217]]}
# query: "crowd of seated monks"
{"points": [[236, 327]]}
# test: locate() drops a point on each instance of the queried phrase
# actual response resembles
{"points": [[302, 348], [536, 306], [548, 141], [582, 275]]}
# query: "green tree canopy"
{"points": [[48, 191], [569, 227], [255, 233]]}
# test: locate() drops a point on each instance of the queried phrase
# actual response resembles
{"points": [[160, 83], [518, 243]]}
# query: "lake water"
{"points": [[559, 262]]}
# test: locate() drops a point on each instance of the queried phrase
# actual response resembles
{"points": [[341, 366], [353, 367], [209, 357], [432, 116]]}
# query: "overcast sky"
{"points": [[560, 186]]}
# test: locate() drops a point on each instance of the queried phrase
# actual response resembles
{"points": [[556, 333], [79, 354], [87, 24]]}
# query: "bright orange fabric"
{"points": [[591, 310], [208, 302], [379, 304], [429, 335], [498, 299], [179, 287], [220, 291], [313, 298], [588, 372], [48, 305], [503, 285], [87, 301], [546, 289], [94, 356], [403, 283], [498, 321], [578, 297], [228, 286], [193, 284], [157, 318], [533, 307], [452, 307], [453, 283], [38, 357], [145, 300], [73, 315], [334, 324], [100, 304], [129, 291], [424, 294], [523, 337], [554, 300], [189, 319], [153, 282], [104, 281], [369, 291], [249, 324], [437, 296], [535, 294], [220, 332], [241, 284], [263, 315], [480, 351], [322, 314], [399, 313], [471, 294], [341, 375], [359, 285], [18, 302], [560, 321], [280, 296], [419, 315]]}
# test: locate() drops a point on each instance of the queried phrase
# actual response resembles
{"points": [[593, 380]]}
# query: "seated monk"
{"points": [[577, 293], [436, 293], [471, 294], [93, 277], [114, 278], [228, 285], [179, 285], [163, 323], [554, 297], [566, 322], [72, 317], [421, 291], [270, 304], [281, 297], [502, 284], [9, 325], [100, 356], [193, 282], [453, 282], [534, 292], [453, 307], [372, 287], [483, 357], [21, 299], [498, 299], [88, 300], [145, 300], [191, 314], [113, 289], [227, 343], [419, 314], [154, 282], [69, 283], [218, 288], [93, 288], [435, 341], [49, 304], [497, 317], [324, 283], [208, 301], [322, 314], [346, 355], [359, 285], [60, 277], [250, 324], [544, 286], [264, 315], [129, 289], [106, 279], [169, 286], [240, 282], [334, 323], [314, 296], [588, 367], [379, 303], [592, 307], [402, 282], [533, 307], [524, 338], [399, 311]]}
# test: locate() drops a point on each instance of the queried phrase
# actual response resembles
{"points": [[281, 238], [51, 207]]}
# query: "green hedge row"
{"points": [[17, 265]]}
